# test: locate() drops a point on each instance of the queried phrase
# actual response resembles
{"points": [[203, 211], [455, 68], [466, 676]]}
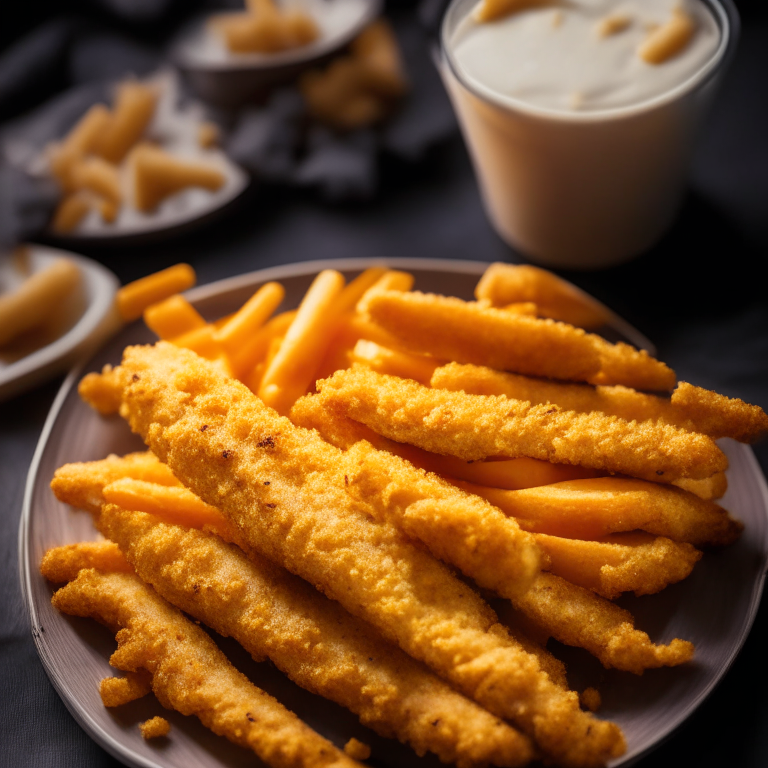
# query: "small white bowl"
{"points": [[98, 321], [230, 80]]}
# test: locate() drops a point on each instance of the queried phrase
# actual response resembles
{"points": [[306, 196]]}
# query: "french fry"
{"points": [[666, 41], [293, 369], [133, 109], [235, 334], [173, 317], [37, 298], [157, 175], [135, 297], [503, 284], [354, 290], [81, 484], [622, 562], [170, 503], [254, 352], [391, 280], [591, 509], [492, 10]]}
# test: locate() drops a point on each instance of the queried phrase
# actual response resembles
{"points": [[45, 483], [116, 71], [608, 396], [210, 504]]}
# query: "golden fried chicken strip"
{"points": [[225, 445], [476, 426], [691, 408], [720, 416], [576, 616], [101, 391], [503, 284], [313, 640], [61, 564], [190, 674], [623, 562], [466, 332], [712, 487], [451, 329], [588, 509], [81, 484], [343, 432]]}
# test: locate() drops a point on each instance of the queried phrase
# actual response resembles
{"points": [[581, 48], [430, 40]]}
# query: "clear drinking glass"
{"points": [[583, 190]]}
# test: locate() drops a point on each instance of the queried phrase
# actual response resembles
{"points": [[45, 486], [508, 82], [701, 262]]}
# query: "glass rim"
{"points": [[725, 14]]}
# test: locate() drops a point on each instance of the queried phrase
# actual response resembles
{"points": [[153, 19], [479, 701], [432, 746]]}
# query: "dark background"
{"points": [[700, 295]]}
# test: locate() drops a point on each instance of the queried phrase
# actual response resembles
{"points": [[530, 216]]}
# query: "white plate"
{"points": [[714, 607], [233, 79], [96, 322]]}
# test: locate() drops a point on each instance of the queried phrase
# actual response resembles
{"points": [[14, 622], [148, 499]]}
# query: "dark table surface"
{"points": [[700, 295]]}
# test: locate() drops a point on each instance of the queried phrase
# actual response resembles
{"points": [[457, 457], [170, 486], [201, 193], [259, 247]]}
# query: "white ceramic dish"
{"points": [[714, 607], [96, 322], [233, 79]]}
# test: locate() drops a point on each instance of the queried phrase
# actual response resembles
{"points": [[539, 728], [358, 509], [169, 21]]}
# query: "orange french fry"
{"points": [[173, 317], [236, 333], [393, 361], [131, 114], [255, 351], [135, 297], [294, 367]]}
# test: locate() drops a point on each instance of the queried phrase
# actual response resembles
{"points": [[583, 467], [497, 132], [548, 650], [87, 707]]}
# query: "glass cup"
{"points": [[583, 190]]}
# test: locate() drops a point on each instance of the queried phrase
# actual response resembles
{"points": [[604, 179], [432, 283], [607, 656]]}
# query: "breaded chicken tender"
{"points": [[190, 674], [475, 427], [576, 616], [589, 509], [279, 485], [451, 329], [81, 484], [503, 284], [691, 408], [62, 564], [101, 391], [313, 640], [511, 474], [117, 691], [622, 562]]}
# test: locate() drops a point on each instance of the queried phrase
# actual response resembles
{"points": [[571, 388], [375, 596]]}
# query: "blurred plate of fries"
{"points": [[67, 314], [232, 79], [714, 608]]}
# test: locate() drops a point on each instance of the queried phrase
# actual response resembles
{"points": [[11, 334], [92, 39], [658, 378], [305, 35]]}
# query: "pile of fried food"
{"points": [[106, 161], [333, 486]]}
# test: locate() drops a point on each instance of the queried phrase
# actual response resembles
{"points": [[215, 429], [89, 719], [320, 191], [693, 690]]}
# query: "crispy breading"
{"points": [[512, 474], [459, 528], [476, 426], [313, 640], [624, 365], [691, 408], [588, 509], [61, 564], [451, 329], [623, 562], [224, 444], [81, 484], [466, 332], [155, 728], [720, 416], [712, 487], [504, 284], [101, 391], [576, 616], [190, 674], [116, 691]]}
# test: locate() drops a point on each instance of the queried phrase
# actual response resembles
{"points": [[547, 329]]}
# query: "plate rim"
{"points": [[296, 269]]}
